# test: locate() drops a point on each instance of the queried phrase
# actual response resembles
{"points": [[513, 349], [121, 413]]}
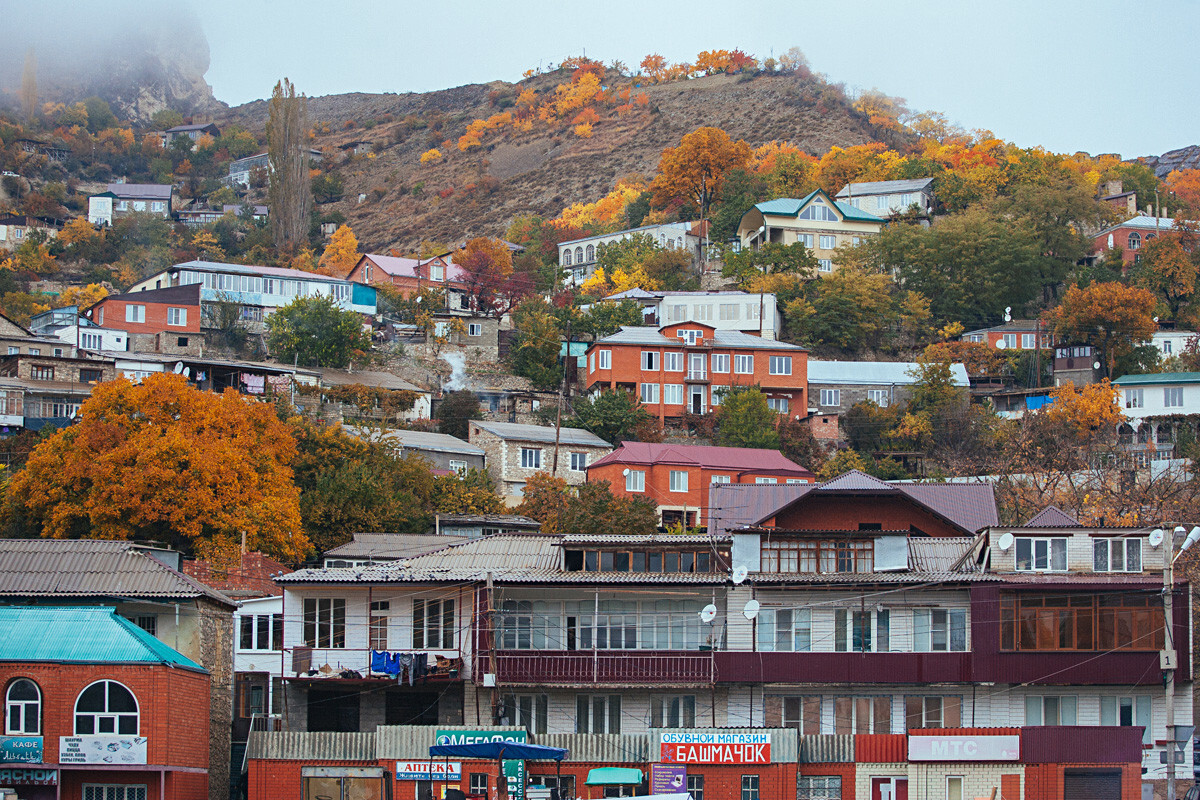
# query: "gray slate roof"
{"points": [[155, 191], [539, 433], [632, 334], [381, 380], [385, 546], [884, 187], [40, 568], [426, 440]]}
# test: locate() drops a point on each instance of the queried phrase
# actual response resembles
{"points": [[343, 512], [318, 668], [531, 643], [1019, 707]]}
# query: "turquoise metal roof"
{"points": [[790, 207], [80, 634], [1158, 378]]}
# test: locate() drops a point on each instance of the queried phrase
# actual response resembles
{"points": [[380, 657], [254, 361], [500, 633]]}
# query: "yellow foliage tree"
{"points": [[30, 257], [305, 260], [432, 154], [78, 231], [1091, 409], [82, 296], [341, 254], [608, 212], [209, 247], [696, 169], [583, 131]]}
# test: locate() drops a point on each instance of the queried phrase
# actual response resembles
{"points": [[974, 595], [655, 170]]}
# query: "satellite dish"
{"points": [[178, 367], [751, 609], [1006, 541], [1001, 344], [187, 372], [708, 613], [1095, 365], [1156, 537], [740, 573], [625, 472]]}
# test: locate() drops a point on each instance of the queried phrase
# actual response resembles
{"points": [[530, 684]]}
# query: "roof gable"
{"points": [[791, 207], [740, 459], [1052, 517]]}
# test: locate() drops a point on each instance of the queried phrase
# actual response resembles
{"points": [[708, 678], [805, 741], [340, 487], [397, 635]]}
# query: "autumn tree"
{"points": [[535, 354], [1112, 317], [772, 258], [590, 508], [664, 267], [606, 317], [849, 310], [162, 461], [694, 170], [313, 331], [289, 192], [1169, 266], [341, 254], [487, 267]]}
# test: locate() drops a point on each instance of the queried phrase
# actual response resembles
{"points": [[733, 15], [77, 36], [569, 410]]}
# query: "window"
{"points": [[528, 711], [139, 205], [703, 312], [720, 362], [58, 352], [377, 625], [135, 313], [778, 404], [649, 361], [824, 265], [802, 713], [1166, 347], [457, 466], [676, 312], [728, 312], [673, 711], [1126, 621], [1173, 396], [818, 211], [598, 713], [117, 791], [325, 622], [260, 632], [831, 397], [805, 239], [1028, 341], [690, 336], [590, 253], [474, 329], [717, 393], [578, 462], [566, 259], [649, 392], [743, 364], [1127, 711], [695, 787], [433, 625], [90, 341], [91, 375], [635, 481], [177, 316], [531, 457], [23, 708], [579, 254], [828, 242], [1050, 710], [605, 359], [1134, 398], [780, 365], [1135, 240], [147, 622], [12, 351], [861, 631], [783, 630], [1041, 554], [41, 373], [766, 480], [750, 787], [106, 707], [35, 351], [862, 715], [1010, 340], [718, 479], [879, 397], [938, 630], [673, 362], [479, 784], [932, 712], [954, 787], [1117, 555], [679, 480], [122, 205], [825, 556], [673, 394], [819, 787], [526, 625]]}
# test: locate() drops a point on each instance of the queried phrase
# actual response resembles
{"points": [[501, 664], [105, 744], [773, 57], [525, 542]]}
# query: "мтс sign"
{"points": [[964, 748]]}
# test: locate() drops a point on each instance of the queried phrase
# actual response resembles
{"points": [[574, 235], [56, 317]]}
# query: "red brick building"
{"points": [[1130, 235], [98, 709], [677, 477], [253, 575], [409, 275], [175, 309], [685, 367]]}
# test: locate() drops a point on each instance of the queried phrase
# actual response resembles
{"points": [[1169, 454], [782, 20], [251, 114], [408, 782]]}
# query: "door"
{"points": [[696, 369], [889, 788], [696, 402], [1091, 784]]}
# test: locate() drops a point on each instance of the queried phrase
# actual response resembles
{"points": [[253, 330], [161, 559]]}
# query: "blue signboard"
{"points": [[20, 750]]}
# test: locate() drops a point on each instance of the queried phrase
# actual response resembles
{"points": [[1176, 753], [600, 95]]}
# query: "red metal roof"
{"points": [[406, 267], [1052, 517], [741, 459]]}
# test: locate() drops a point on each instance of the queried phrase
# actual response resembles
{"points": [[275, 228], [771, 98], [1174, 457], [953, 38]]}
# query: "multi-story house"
{"points": [[411, 275], [123, 199], [191, 131], [835, 386], [753, 313], [1170, 342], [1018, 334], [515, 452], [1154, 406], [685, 367], [1128, 237], [818, 222], [677, 477], [15, 229], [156, 320], [578, 257], [888, 198]]}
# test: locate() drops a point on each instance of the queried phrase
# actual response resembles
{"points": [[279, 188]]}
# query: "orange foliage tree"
{"points": [[1110, 316], [695, 170], [487, 267], [161, 460]]}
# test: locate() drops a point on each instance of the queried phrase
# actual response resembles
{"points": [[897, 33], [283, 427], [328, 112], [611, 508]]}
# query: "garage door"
{"points": [[1092, 785]]}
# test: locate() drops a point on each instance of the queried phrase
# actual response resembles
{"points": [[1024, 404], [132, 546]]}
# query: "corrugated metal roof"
{"points": [[1158, 378], [635, 538], [843, 578], [312, 746], [88, 635], [790, 207], [539, 433], [737, 459], [91, 568], [514, 520], [610, 748], [160, 191], [937, 553], [827, 749], [254, 269], [382, 380], [874, 373], [425, 440], [406, 267], [1052, 517], [414, 741], [784, 741], [393, 545], [884, 187]]}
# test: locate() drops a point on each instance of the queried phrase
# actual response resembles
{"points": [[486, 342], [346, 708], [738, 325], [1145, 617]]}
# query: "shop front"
{"points": [[748, 763]]}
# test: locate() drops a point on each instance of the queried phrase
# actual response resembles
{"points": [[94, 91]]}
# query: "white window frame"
{"points": [[650, 360], [1065, 708], [720, 362], [635, 480], [474, 329], [784, 630], [824, 265], [717, 480], [605, 360], [1125, 551], [673, 361], [1140, 713], [673, 394], [778, 404], [177, 316], [531, 458], [940, 630], [743, 364], [457, 466], [1173, 397], [679, 480], [780, 365], [831, 397], [648, 393], [877, 625], [880, 397], [135, 313], [828, 241], [1028, 341], [101, 719], [1046, 553], [579, 462], [1135, 398], [24, 708]]}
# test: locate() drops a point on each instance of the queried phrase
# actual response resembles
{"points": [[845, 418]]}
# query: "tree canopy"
{"points": [[313, 331]]}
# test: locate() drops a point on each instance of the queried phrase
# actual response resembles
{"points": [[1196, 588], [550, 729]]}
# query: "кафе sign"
{"points": [[712, 747]]}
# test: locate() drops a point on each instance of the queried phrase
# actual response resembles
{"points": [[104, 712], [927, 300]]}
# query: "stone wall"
{"points": [[216, 644]]}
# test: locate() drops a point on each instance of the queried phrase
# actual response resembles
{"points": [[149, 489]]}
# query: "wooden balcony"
{"points": [[859, 668], [601, 668]]}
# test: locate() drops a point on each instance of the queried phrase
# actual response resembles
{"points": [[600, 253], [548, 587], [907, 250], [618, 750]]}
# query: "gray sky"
{"points": [[1100, 76]]}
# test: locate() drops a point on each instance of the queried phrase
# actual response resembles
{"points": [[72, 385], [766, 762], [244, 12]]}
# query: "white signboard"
{"points": [[102, 749], [964, 748], [428, 770]]}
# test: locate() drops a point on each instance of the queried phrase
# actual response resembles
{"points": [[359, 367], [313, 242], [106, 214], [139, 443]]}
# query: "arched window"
{"points": [[1150, 236], [23, 708], [579, 254], [1135, 240], [1143, 433], [567, 257], [591, 253], [106, 707]]}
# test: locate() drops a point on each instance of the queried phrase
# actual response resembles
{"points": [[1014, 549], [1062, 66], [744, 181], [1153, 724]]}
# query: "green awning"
{"points": [[612, 776]]}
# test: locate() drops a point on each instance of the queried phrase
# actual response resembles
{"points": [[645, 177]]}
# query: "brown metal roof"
{"points": [[634, 538], [1052, 517], [92, 568]]}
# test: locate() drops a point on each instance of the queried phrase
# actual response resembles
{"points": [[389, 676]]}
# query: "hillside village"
{"points": [[542, 440]]}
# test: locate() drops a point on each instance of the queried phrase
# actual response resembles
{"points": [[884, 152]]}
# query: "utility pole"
{"points": [[558, 412], [1169, 657]]}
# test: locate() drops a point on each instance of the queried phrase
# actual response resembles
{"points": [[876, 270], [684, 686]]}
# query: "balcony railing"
{"points": [[658, 668], [697, 375]]}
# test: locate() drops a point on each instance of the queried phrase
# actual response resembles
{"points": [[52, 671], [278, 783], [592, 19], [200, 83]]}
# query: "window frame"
{"points": [[673, 394], [651, 360], [176, 317], [586, 709], [579, 459], [531, 458], [1128, 546], [434, 623], [779, 365], [117, 717], [24, 705], [1052, 544], [740, 363], [1061, 703], [648, 393], [673, 361], [750, 787], [324, 622], [605, 359], [720, 363], [678, 480], [635, 481], [1172, 396], [830, 398]]}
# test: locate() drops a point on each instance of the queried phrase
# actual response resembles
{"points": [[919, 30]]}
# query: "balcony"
{"points": [[441, 665], [601, 668], [697, 376], [859, 668]]}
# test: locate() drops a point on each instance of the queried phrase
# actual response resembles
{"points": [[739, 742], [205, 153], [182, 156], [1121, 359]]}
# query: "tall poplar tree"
{"points": [[290, 192], [29, 92]]}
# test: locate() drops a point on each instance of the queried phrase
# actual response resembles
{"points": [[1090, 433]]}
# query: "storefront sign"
{"points": [[28, 777], [428, 770], [964, 748], [472, 737], [715, 748], [102, 749], [667, 779], [20, 749], [514, 777]]}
